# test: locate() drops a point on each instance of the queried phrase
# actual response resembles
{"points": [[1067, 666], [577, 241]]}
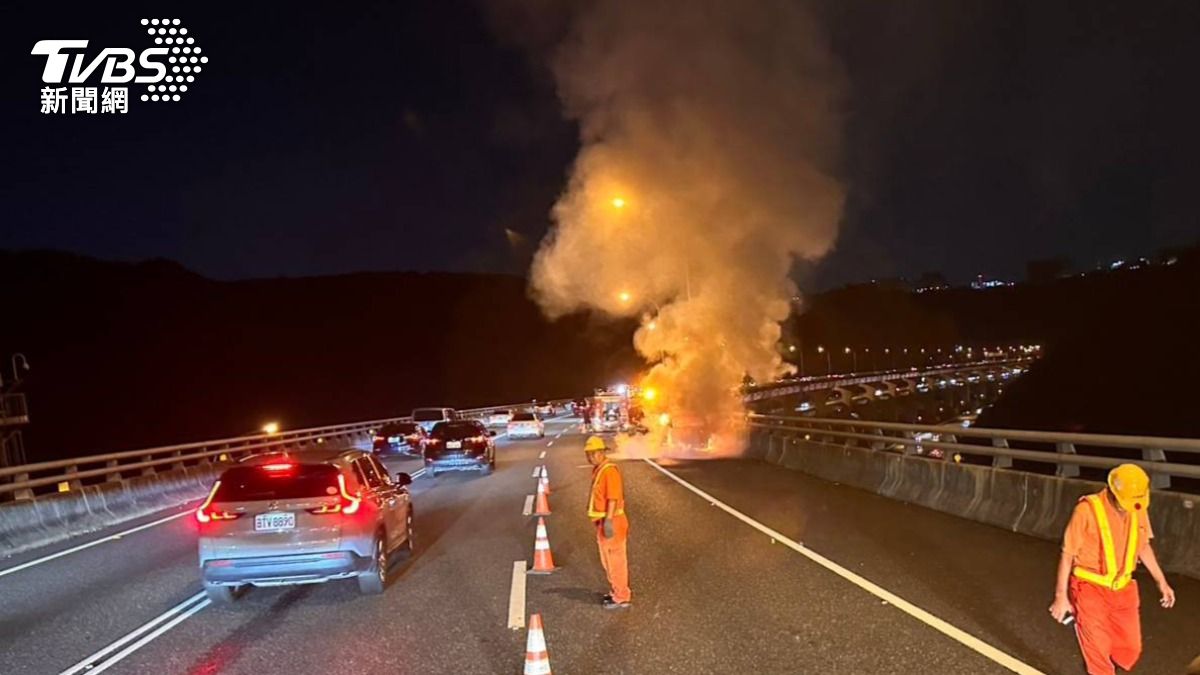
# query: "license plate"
{"points": [[275, 521], [453, 444]]}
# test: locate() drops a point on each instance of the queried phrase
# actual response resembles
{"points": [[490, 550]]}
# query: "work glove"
{"points": [[608, 529]]}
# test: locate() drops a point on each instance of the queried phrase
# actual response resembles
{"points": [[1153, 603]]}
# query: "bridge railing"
{"points": [[820, 382], [1066, 453], [65, 475]]}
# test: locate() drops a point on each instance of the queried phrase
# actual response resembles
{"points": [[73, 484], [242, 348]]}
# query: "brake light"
{"points": [[276, 468], [380, 439], [206, 513]]}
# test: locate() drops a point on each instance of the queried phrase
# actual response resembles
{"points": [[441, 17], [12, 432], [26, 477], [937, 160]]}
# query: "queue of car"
{"points": [[317, 515]]}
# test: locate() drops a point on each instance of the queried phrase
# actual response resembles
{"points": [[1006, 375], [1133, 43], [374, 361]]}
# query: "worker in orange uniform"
{"points": [[606, 508], [1108, 533]]}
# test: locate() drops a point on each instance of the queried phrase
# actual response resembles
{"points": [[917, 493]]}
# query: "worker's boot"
{"points": [[609, 603]]}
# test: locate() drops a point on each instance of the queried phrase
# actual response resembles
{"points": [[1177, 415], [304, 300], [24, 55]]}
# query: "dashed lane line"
{"points": [[542, 455], [537, 471], [516, 596], [940, 625], [528, 509]]}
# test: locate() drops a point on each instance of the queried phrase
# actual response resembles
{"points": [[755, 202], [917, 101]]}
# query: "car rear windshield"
{"points": [[256, 483], [428, 415], [523, 417], [455, 431], [398, 429]]}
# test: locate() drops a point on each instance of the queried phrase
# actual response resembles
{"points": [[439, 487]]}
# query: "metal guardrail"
{"points": [[21, 482], [1004, 444], [821, 382]]}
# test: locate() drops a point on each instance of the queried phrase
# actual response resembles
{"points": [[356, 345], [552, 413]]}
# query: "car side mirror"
{"points": [[403, 479], [491, 433]]}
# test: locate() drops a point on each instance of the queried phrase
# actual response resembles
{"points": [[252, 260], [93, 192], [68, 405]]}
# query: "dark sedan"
{"points": [[400, 438], [461, 445]]}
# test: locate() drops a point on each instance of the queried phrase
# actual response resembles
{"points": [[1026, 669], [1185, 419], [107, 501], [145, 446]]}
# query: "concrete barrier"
{"points": [[1032, 504], [48, 519]]}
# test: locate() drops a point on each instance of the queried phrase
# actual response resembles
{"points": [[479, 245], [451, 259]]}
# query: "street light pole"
{"points": [[828, 359], [854, 355]]}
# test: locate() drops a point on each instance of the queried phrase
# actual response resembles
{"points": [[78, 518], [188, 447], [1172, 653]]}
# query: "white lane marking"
{"points": [[516, 596], [951, 631], [550, 444], [528, 510], [542, 455], [192, 605], [418, 473], [537, 471], [81, 547]]}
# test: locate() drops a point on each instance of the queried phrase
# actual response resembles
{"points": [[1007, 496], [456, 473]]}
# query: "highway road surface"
{"points": [[719, 586]]}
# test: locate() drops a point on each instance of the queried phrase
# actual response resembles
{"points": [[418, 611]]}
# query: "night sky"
{"points": [[325, 138]]}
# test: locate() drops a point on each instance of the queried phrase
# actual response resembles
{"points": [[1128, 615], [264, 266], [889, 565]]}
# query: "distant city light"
{"points": [[270, 428]]}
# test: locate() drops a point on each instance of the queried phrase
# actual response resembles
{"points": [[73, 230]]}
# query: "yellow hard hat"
{"points": [[1131, 486], [594, 444]]}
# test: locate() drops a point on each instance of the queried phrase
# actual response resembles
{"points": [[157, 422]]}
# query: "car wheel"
{"points": [[488, 468], [374, 579], [220, 595]]}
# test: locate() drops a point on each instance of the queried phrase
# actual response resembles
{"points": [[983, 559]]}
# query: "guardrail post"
{"points": [[112, 476], [149, 470], [1158, 480], [22, 494], [73, 483], [911, 449], [999, 461], [880, 444], [177, 465], [1066, 470]]}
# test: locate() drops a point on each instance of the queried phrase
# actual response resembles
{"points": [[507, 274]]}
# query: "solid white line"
{"points": [[76, 549], [86, 663], [119, 656], [542, 455], [951, 631], [528, 506], [516, 596], [418, 473]]}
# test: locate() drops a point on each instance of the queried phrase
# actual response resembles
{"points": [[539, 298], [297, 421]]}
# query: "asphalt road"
{"points": [[712, 592]]}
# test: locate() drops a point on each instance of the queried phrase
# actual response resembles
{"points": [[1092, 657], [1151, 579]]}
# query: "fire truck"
{"points": [[609, 411]]}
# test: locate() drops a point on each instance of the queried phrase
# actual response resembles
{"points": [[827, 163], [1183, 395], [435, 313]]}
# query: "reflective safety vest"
{"points": [[592, 512], [1110, 578]]}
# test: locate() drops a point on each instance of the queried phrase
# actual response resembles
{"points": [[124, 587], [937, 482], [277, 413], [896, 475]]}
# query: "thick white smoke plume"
{"points": [[709, 132]]}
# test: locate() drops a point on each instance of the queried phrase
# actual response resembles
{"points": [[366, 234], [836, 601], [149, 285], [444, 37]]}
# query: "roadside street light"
{"points": [[828, 359], [624, 297], [270, 428], [853, 355], [618, 203]]}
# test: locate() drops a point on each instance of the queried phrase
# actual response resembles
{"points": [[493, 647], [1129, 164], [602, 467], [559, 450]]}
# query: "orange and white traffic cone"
{"points": [[543, 504], [537, 659], [545, 478], [543, 562]]}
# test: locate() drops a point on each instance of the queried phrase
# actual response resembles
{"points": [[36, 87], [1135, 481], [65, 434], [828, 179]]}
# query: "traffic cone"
{"points": [[537, 659], [543, 562], [543, 504], [545, 479]]}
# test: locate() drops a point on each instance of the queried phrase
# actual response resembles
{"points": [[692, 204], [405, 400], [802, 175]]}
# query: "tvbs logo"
{"points": [[166, 69], [118, 63]]}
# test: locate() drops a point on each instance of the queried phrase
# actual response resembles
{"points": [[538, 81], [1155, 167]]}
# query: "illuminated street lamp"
{"points": [[828, 360], [854, 355], [270, 428], [618, 203], [624, 297]]}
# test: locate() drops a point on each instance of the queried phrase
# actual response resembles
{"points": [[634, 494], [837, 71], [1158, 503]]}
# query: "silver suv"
{"points": [[301, 518]]}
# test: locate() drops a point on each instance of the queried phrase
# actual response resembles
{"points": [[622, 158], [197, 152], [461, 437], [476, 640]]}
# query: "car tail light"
{"points": [[380, 439], [206, 513], [280, 467], [347, 504]]}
